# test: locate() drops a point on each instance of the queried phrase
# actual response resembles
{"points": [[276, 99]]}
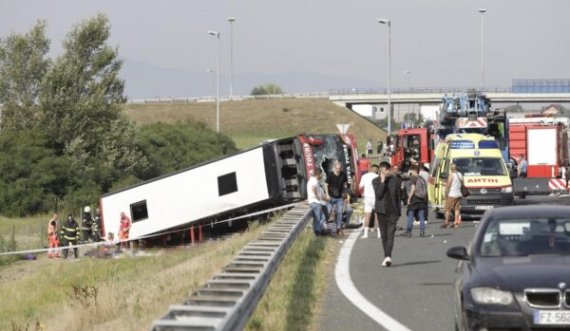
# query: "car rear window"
{"points": [[524, 237]]}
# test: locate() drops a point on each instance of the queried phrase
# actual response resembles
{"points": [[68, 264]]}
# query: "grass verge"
{"points": [[114, 294], [293, 298]]}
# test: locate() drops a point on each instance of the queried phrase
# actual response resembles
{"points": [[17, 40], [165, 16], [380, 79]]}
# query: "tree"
{"points": [[267, 89], [33, 180], [82, 108], [23, 65], [414, 118], [171, 147]]}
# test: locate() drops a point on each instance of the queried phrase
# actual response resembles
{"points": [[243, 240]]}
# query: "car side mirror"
{"points": [[458, 252]]}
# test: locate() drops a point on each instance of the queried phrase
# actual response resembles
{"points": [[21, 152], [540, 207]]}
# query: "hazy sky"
{"points": [[438, 41]]}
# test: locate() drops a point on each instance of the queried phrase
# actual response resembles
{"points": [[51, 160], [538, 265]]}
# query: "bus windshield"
{"points": [[480, 166]]}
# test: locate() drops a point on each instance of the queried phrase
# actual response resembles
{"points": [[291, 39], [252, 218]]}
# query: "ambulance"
{"points": [[485, 174]]}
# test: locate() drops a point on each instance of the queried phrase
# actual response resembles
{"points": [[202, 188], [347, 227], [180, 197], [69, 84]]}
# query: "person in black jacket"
{"points": [[388, 208], [70, 235]]}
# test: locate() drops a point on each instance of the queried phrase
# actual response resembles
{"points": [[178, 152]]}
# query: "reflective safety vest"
{"points": [[70, 230]]}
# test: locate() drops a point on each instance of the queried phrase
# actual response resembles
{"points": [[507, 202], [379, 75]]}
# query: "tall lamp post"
{"points": [[217, 35], [389, 23], [231, 20], [482, 11]]}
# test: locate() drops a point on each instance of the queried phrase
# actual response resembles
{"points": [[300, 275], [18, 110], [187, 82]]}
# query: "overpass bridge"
{"points": [[350, 97]]}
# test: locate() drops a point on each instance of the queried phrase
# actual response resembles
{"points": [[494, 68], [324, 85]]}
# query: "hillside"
{"points": [[249, 122]]}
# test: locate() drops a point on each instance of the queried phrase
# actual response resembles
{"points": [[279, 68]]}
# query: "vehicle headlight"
{"points": [[508, 189], [491, 296]]}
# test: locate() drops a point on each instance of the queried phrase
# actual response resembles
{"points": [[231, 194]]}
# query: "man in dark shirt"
{"points": [[336, 184], [388, 208]]}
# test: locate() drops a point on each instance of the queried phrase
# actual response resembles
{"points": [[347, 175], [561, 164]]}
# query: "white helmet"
{"points": [[87, 209]]}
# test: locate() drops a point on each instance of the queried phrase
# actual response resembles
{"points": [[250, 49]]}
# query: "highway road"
{"points": [[416, 293]]}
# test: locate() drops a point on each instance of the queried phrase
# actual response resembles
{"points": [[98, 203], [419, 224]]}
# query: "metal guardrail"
{"points": [[229, 298], [418, 90]]}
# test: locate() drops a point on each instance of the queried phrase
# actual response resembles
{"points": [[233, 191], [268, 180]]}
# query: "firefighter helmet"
{"points": [[87, 209]]}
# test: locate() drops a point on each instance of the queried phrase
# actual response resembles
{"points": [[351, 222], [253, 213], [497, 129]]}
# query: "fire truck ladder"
{"points": [[228, 299]]}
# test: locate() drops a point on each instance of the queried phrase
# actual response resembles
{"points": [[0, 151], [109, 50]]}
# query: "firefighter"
{"points": [[53, 244], [70, 235], [97, 225], [87, 224]]}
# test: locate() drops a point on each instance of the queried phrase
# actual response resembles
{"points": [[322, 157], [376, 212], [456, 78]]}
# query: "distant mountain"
{"points": [[143, 80]]}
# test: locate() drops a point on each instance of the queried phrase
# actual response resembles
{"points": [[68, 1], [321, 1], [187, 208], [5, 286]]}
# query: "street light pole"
{"points": [[389, 23], [231, 20], [217, 35], [482, 11]]}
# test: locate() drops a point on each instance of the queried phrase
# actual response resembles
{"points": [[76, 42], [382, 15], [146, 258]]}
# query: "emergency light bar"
{"points": [[461, 144], [488, 144]]}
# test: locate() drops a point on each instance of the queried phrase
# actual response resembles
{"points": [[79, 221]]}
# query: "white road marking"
{"points": [[346, 286]]}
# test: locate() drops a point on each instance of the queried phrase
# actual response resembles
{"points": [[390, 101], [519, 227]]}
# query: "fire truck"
{"points": [[464, 113], [543, 142], [275, 173], [411, 145]]}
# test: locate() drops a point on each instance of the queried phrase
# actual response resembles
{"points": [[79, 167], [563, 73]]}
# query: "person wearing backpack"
{"points": [[417, 202]]}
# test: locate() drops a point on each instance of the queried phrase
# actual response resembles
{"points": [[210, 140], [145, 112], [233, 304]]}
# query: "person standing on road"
{"points": [[336, 184], [425, 175], [70, 235], [369, 199], [53, 243], [315, 197], [417, 201], [453, 197], [388, 208], [522, 167]]}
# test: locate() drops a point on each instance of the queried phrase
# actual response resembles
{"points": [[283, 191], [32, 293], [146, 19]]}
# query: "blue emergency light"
{"points": [[461, 144], [488, 144]]}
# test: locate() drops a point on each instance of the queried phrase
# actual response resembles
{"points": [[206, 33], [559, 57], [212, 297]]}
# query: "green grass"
{"points": [[292, 300], [249, 122], [108, 294], [29, 233]]}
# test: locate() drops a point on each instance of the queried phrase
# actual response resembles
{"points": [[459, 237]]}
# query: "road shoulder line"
{"points": [[349, 290]]}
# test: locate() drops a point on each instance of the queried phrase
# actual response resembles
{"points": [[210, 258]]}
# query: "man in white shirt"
{"points": [[369, 198], [315, 197], [453, 196]]}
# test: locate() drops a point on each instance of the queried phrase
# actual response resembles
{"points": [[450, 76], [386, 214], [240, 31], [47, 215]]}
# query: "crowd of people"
{"points": [[384, 193], [66, 235]]}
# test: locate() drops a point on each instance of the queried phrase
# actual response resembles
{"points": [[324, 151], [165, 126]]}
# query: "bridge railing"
{"points": [[419, 90]]}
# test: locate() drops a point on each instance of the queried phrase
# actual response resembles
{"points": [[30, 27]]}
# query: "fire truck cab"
{"points": [[411, 145]]}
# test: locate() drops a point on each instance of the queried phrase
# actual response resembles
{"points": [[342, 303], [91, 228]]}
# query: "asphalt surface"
{"points": [[417, 290]]}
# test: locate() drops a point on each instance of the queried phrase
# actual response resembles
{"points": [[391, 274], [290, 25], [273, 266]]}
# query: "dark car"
{"points": [[515, 274]]}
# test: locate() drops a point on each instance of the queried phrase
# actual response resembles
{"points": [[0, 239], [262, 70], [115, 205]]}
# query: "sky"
{"points": [[325, 44]]}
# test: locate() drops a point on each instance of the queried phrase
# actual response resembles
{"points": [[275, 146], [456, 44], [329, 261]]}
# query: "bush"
{"points": [[267, 89], [171, 147]]}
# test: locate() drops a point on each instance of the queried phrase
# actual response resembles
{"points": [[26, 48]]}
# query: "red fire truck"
{"points": [[411, 145], [543, 142]]}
